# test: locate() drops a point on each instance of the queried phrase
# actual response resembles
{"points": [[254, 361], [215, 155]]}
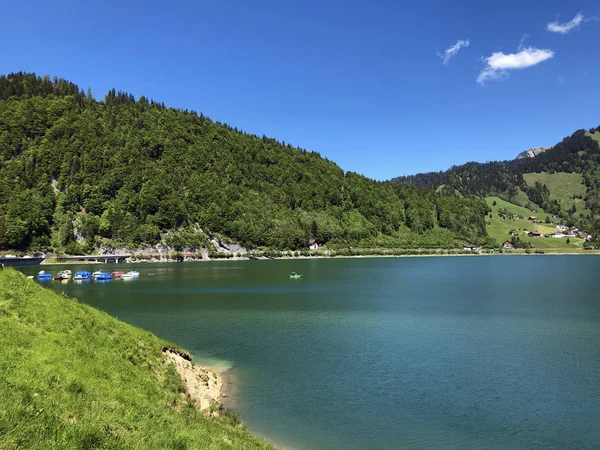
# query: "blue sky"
{"points": [[363, 83]]}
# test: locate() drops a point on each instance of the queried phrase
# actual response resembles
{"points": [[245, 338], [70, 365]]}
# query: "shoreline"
{"points": [[237, 259], [202, 384], [227, 398], [228, 390]]}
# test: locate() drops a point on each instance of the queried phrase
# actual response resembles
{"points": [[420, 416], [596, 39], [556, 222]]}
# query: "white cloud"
{"points": [[499, 63], [452, 51], [564, 28]]}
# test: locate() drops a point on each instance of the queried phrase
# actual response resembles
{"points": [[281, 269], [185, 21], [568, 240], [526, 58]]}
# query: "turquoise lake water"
{"points": [[450, 352]]}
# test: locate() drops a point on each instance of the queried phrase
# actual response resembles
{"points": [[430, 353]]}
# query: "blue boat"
{"points": [[43, 276], [102, 276], [80, 276]]}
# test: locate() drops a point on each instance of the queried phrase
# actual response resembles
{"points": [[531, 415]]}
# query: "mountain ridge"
{"points": [[532, 152]]}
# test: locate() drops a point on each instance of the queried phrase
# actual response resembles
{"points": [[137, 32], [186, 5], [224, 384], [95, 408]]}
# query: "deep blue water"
{"points": [[451, 352]]}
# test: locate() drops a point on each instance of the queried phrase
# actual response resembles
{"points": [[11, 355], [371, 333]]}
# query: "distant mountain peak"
{"points": [[532, 152]]}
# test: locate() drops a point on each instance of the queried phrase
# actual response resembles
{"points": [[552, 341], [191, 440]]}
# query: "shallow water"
{"points": [[451, 352]]}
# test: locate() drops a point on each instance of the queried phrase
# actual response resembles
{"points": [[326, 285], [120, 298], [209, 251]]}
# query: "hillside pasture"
{"points": [[563, 187], [499, 226]]}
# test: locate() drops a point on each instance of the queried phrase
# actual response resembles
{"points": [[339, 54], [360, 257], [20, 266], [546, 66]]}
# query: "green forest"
{"points": [[576, 154], [76, 171]]}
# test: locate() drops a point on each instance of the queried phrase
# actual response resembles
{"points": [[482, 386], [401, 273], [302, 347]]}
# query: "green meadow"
{"points": [[73, 377], [564, 187], [498, 227]]}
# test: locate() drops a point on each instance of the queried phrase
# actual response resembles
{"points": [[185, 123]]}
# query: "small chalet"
{"points": [[513, 233], [562, 228], [470, 247], [532, 218], [508, 244], [313, 245], [574, 230], [534, 233]]}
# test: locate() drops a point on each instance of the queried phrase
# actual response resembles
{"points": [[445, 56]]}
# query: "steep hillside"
{"points": [[566, 188], [563, 180], [131, 170], [72, 377], [595, 135]]}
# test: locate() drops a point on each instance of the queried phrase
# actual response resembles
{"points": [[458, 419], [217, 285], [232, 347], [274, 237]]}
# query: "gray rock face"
{"points": [[532, 152]]}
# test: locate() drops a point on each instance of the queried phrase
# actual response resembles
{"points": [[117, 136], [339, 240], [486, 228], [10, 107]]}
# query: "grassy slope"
{"points": [[562, 187], [74, 377], [522, 199], [498, 228]]}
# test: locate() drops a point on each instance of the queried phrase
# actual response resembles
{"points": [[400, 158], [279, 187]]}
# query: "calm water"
{"points": [[486, 352]]}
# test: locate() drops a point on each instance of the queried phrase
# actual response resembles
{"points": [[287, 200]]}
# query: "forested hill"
{"points": [[129, 171], [578, 153]]}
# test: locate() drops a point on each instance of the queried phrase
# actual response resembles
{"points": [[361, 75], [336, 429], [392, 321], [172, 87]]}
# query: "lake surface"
{"points": [[450, 352]]}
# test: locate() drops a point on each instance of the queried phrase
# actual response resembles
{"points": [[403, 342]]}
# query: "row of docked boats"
{"points": [[100, 275]]}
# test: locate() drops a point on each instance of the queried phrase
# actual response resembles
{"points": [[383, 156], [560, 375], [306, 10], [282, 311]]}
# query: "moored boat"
{"points": [[102, 276], [132, 274], [117, 273], [81, 276], [63, 275], [43, 276]]}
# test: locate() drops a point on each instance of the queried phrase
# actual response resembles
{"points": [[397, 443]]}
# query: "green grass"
{"points": [[441, 187], [522, 199], [498, 228], [73, 377], [562, 186]]}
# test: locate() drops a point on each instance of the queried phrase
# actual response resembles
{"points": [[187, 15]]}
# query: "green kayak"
{"points": [[295, 276]]}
